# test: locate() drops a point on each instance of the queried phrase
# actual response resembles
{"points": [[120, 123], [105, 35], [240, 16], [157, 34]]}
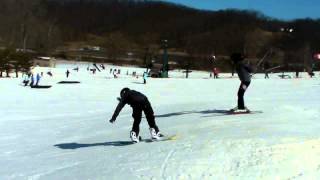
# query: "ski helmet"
{"points": [[123, 92]]}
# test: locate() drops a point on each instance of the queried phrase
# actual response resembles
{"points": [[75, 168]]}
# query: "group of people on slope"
{"points": [[140, 103], [32, 78]]}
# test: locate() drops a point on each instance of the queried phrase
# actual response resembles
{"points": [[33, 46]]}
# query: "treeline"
{"points": [[12, 60], [120, 26]]}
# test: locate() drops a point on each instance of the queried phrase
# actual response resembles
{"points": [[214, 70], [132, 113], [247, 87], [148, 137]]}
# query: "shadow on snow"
{"points": [[215, 111], [77, 145]]}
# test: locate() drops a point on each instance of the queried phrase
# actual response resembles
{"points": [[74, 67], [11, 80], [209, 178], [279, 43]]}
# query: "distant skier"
{"points": [[139, 102], [244, 75]]}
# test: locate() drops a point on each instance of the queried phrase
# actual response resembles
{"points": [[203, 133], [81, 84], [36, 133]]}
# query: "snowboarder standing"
{"points": [[38, 77], [244, 75], [31, 80], [145, 75], [26, 79], [266, 70], [67, 73], [215, 73], [139, 102]]}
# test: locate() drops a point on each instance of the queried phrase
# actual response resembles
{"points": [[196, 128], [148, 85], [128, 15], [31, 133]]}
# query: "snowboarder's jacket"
{"points": [[145, 75], [243, 71], [134, 98]]}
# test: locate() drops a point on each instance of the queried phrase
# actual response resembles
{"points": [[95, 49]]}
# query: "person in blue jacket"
{"points": [[38, 77], [145, 76]]}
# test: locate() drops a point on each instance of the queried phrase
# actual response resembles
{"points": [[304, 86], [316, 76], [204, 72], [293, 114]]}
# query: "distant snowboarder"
{"points": [[26, 79], [67, 73], [266, 70], [244, 75], [297, 73], [215, 73], [38, 77], [31, 80], [139, 102], [145, 75]]}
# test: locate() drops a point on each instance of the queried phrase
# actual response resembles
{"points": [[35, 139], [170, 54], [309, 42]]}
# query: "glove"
{"points": [[112, 120]]}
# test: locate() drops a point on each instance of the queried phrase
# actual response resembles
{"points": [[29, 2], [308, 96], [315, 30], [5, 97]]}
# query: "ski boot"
{"points": [[134, 137]]}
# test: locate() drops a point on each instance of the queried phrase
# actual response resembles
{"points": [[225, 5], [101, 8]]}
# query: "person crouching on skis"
{"points": [[139, 102], [244, 74]]}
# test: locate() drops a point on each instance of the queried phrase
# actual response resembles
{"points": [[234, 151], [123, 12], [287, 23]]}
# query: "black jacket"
{"points": [[134, 98], [243, 72]]}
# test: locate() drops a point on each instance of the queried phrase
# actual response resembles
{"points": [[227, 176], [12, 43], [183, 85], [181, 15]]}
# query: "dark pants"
{"points": [[31, 83], [242, 89], [137, 114], [25, 82]]}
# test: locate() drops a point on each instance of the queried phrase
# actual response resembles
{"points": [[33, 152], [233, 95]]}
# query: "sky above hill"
{"points": [[280, 9]]}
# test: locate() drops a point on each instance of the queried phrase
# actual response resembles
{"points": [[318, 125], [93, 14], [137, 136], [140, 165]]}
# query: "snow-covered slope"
{"points": [[63, 132]]}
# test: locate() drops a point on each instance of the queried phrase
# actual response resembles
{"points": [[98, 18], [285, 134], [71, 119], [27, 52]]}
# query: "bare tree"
{"points": [[4, 62]]}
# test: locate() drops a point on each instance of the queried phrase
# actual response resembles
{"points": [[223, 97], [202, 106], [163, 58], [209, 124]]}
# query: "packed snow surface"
{"points": [[64, 132]]}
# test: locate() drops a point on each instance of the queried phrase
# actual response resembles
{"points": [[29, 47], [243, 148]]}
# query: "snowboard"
{"points": [[68, 82], [164, 138], [41, 86], [247, 112]]}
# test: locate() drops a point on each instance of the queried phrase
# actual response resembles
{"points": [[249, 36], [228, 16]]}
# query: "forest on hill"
{"points": [[134, 29]]}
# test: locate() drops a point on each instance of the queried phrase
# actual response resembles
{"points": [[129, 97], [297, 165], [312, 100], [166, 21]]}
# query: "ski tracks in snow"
{"points": [[165, 162], [46, 173]]}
